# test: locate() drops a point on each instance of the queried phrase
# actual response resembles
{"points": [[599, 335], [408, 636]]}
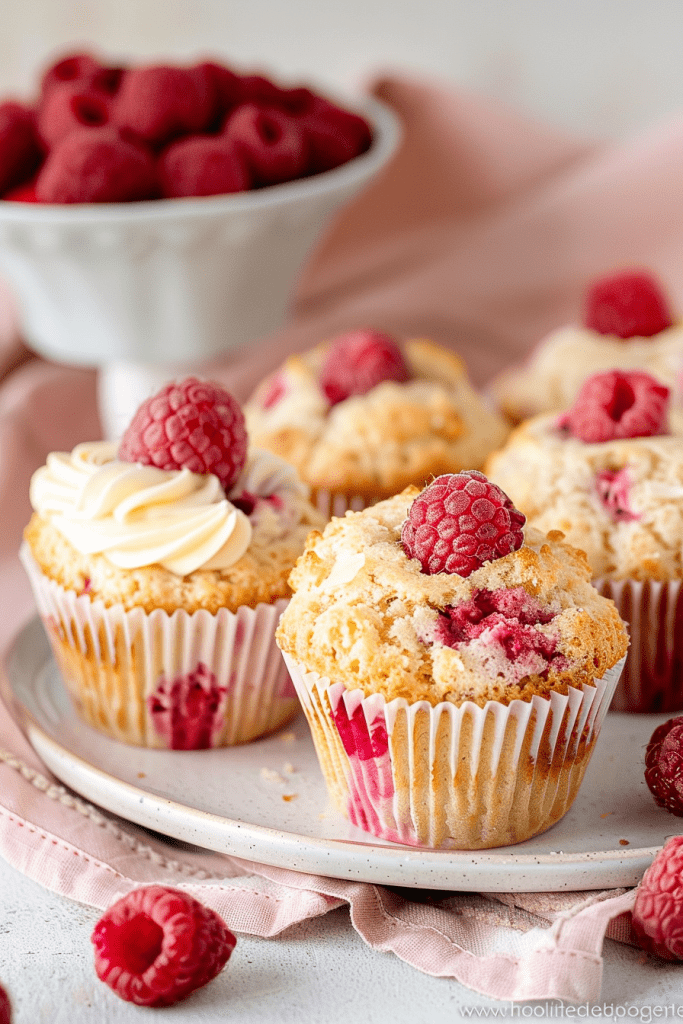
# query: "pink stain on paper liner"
{"points": [[371, 781], [188, 711]]}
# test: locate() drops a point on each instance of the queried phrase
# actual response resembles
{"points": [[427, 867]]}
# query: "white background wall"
{"points": [[598, 67]]}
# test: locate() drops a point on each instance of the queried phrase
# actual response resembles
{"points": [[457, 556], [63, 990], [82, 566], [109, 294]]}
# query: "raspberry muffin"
{"points": [[609, 475], [627, 324], [160, 571], [454, 666], [362, 416]]}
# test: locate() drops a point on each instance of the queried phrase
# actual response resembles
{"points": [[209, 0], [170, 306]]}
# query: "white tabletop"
{"points": [[319, 972]]}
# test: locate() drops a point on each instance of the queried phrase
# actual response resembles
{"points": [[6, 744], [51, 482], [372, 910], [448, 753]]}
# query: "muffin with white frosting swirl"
{"points": [[160, 587]]}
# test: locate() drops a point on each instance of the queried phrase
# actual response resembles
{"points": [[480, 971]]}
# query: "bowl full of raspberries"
{"points": [[161, 213]]}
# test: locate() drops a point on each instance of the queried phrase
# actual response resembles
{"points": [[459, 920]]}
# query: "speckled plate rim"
{"points": [[484, 871]]}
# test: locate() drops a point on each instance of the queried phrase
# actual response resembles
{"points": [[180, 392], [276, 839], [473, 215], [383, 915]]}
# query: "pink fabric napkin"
{"points": [[481, 234]]}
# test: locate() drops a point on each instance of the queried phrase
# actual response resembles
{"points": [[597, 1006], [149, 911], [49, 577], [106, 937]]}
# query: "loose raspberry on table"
{"points": [[613, 405], [658, 910], [5, 1007], [664, 765], [193, 425], [359, 360], [156, 945], [459, 522], [628, 305]]}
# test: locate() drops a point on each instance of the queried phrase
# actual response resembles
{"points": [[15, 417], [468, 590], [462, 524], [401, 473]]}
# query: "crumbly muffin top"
{"points": [[620, 501], [366, 615], [377, 443], [550, 380]]}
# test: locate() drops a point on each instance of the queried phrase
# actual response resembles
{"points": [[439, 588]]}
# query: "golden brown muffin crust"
{"points": [[364, 614]]}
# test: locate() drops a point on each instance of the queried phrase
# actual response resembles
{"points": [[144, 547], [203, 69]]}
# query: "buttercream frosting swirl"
{"points": [[137, 515]]}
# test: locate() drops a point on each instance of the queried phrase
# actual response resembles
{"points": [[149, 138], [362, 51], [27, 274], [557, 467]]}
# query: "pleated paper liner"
{"points": [[453, 777], [181, 681], [337, 503], [652, 679]]}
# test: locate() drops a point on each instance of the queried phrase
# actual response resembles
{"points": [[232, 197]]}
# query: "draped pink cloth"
{"points": [[482, 234]]}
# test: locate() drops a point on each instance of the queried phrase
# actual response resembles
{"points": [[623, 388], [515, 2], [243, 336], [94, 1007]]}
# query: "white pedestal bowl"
{"points": [[142, 289]]}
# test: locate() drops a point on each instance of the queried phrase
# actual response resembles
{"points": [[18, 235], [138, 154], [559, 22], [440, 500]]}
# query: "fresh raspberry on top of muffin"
{"points": [[459, 522], [358, 361], [192, 425], [614, 405], [156, 945], [628, 305]]}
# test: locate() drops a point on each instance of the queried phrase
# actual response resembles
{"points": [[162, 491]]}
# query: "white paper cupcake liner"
{"points": [[452, 777], [337, 503], [181, 681], [652, 679]]}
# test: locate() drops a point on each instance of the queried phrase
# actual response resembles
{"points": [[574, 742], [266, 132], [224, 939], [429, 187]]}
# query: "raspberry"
{"points": [[460, 521], [20, 152], [193, 425], [25, 193], [226, 86], [69, 107], [274, 390], [614, 405], [358, 361], [271, 142], [658, 909], [664, 765], [5, 1007], [73, 68], [156, 945], [95, 165], [159, 103], [257, 89], [202, 165], [334, 135], [628, 305]]}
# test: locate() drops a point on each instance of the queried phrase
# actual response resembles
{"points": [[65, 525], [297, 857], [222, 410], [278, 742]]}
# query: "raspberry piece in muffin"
{"points": [[658, 910], [356, 362], [617, 405], [627, 305], [460, 522], [193, 425], [156, 945]]}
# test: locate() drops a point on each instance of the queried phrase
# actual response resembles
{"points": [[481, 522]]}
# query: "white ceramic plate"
{"points": [[266, 801]]}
